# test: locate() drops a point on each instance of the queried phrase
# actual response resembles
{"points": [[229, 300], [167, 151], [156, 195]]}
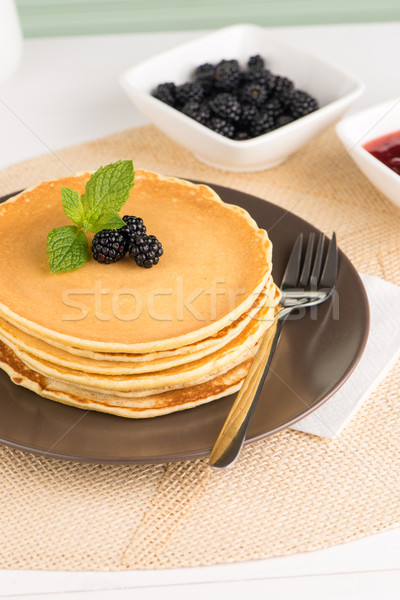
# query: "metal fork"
{"points": [[306, 282]]}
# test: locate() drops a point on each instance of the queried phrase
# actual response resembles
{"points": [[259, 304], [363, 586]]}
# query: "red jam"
{"points": [[387, 150]]}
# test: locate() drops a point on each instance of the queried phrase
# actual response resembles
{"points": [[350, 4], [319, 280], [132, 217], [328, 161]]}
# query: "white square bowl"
{"points": [[334, 89], [369, 124]]}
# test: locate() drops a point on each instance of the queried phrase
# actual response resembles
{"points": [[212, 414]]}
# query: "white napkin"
{"points": [[381, 351]]}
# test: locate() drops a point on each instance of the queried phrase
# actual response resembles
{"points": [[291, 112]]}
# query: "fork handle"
{"points": [[230, 440]]}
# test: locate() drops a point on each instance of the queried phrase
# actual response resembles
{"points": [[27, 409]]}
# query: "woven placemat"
{"points": [[289, 493]]}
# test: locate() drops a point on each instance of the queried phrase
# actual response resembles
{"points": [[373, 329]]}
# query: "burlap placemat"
{"points": [[289, 493]]}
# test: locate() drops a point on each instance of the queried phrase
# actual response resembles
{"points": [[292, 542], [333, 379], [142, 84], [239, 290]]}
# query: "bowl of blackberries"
{"points": [[241, 99]]}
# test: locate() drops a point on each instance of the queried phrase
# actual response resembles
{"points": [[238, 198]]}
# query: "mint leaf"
{"points": [[107, 190], [108, 221], [67, 248], [73, 206]]}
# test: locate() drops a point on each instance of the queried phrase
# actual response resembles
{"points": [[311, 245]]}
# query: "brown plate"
{"points": [[316, 354]]}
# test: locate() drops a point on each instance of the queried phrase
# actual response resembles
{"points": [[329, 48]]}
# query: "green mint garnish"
{"points": [[68, 249], [107, 190], [72, 205], [105, 194], [108, 221]]}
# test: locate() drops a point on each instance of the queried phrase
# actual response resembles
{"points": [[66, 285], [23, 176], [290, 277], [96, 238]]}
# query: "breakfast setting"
{"points": [[199, 291]]}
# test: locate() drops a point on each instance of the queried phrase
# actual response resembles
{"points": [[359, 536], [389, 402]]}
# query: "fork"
{"points": [[305, 283]]}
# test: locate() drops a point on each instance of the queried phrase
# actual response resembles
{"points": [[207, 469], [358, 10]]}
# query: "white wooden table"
{"points": [[66, 92]]}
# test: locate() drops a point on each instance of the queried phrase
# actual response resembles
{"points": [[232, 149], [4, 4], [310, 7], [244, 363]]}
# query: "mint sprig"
{"points": [[96, 209]]}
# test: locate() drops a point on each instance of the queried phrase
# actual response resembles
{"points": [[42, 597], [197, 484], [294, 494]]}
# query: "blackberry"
{"points": [[302, 104], [225, 105], [205, 75], [249, 113], [198, 112], [283, 120], [255, 62], [145, 250], [109, 246], [242, 135], [273, 107], [283, 84], [285, 97], [166, 93], [134, 225], [263, 123], [253, 93], [221, 126], [227, 75], [263, 77], [204, 71], [189, 91], [283, 90]]}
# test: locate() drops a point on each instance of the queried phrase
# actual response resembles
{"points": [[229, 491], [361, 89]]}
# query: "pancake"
{"points": [[67, 355], [206, 367], [22, 342], [216, 262], [228, 383], [152, 406]]}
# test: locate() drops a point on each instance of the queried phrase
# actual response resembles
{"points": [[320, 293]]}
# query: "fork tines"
{"points": [[312, 272]]}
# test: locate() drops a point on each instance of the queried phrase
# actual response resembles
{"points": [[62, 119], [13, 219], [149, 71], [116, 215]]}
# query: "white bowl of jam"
{"points": [[372, 138]]}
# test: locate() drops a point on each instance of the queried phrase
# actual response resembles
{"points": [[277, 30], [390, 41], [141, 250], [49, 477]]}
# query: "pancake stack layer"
{"points": [[129, 341]]}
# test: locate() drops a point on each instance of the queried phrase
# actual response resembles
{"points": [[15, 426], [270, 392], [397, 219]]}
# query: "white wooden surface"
{"points": [[65, 92]]}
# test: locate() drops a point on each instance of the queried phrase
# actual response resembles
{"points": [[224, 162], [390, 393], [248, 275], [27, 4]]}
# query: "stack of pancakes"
{"points": [[130, 341]]}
